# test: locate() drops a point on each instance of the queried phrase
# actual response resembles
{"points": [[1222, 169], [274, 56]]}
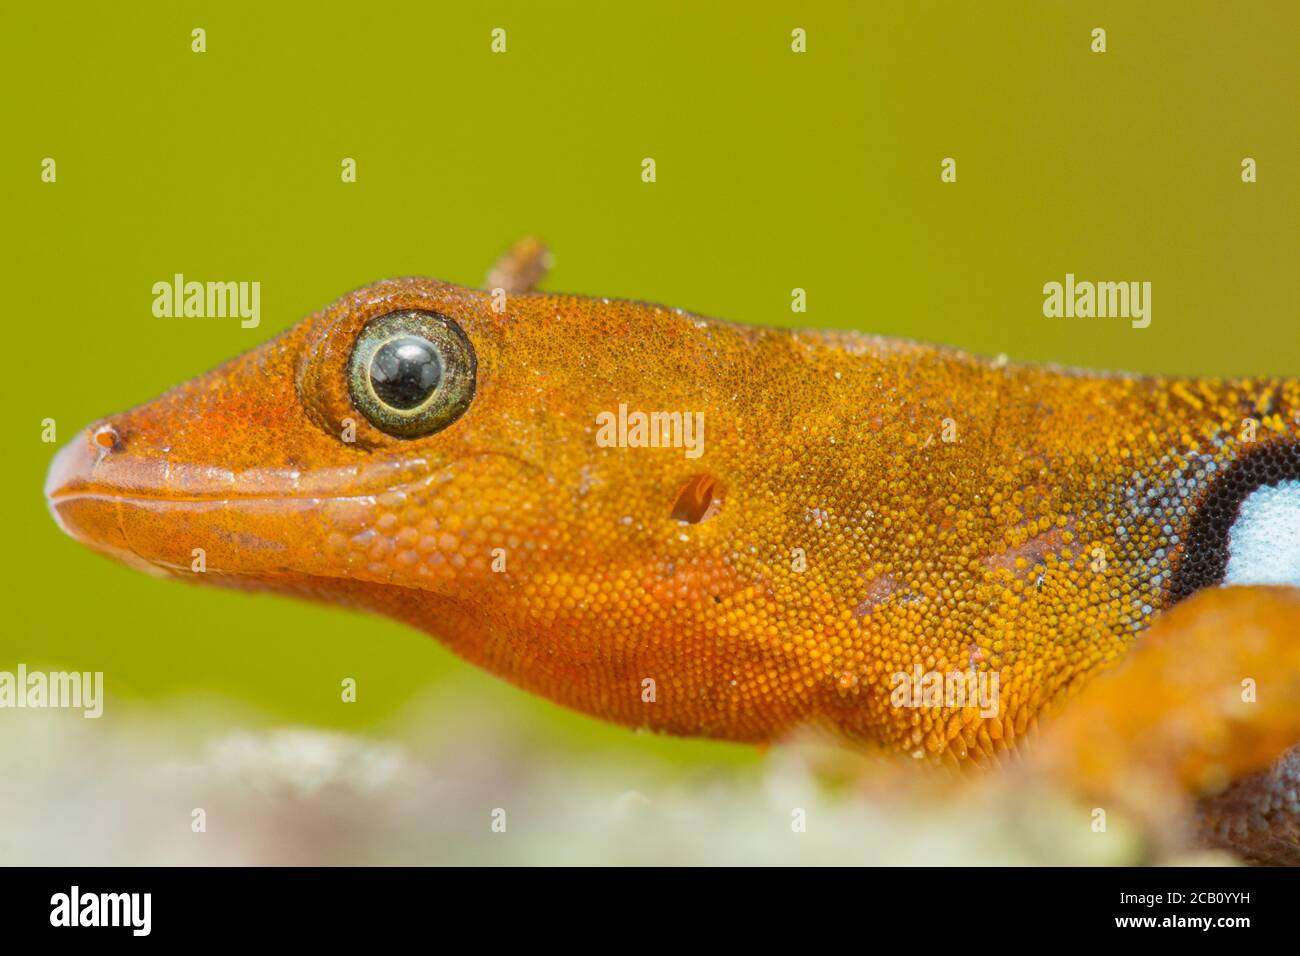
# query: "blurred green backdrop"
{"points": [[775, 170]]}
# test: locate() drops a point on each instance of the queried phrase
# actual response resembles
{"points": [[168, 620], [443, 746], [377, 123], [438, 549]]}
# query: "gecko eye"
{"points": [[411, 373]]}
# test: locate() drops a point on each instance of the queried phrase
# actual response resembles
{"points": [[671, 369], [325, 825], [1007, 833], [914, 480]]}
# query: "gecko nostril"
{"points": [[699, 498], [107, 438]]}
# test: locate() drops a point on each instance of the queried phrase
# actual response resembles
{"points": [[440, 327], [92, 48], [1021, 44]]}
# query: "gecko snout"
{"points": [[83, 503], [73, 467]]}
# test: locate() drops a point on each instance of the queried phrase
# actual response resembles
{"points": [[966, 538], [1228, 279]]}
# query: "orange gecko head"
{"points": [[477, 484], [687, 524]]}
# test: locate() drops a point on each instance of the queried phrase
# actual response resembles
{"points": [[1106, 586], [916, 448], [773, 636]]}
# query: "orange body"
{"points": [[859, 508]]}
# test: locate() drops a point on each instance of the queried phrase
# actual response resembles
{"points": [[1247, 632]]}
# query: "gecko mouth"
{"points": [[157, 515], [162, 516], [86, 469]]}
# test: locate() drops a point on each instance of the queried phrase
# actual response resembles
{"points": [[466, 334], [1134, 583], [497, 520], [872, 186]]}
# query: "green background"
{"points": [[775, 170]]}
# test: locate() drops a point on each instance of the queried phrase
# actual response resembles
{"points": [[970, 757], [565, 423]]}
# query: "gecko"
{"points": [[908, 548]]}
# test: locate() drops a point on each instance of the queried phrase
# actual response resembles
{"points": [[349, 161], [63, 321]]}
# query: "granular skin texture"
{"points": [[1258, 817], [862, 508]]}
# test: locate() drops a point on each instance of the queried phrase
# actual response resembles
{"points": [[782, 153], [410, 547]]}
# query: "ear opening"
{"points": [[698, 499]]}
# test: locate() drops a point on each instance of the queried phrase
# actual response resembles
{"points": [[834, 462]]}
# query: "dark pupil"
{"points": [[405, 371]]}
